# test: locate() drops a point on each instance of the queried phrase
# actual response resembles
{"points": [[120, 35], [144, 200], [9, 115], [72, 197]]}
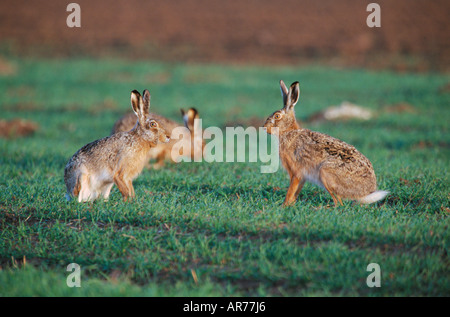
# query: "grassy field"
{"points": [[218, 229]]}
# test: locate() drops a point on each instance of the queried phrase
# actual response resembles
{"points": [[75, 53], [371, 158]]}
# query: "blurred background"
{"points": [[414, 35]]}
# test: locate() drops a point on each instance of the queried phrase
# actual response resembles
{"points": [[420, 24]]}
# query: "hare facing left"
{"points": [[321, 159], [117, 159]]}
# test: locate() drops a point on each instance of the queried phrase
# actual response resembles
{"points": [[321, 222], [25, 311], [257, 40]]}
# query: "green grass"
{"points": [[222, 223]]}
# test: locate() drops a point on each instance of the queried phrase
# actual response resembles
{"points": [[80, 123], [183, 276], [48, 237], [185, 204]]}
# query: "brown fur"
{"points": [[117, 159], [163, 152], [312, 156]]}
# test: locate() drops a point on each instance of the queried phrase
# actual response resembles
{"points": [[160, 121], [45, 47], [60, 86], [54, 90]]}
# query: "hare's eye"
{"points": [[277, 116], [153, 124]]}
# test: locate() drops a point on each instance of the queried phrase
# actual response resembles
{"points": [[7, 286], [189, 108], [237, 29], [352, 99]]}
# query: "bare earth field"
{"points": [[260, 31]]}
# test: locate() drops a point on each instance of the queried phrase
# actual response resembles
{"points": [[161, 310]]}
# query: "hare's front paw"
{"points": [[288, 203]]}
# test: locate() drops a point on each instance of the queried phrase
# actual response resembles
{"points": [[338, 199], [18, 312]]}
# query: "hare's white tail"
{"points": [[373, 197]]}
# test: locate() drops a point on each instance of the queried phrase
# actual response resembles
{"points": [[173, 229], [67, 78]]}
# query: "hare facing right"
{"points": [[190, 145], [321, 159], [118, 159]]}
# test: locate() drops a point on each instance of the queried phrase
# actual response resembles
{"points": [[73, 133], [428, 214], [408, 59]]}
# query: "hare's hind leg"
{"points": [[327, 180], [294, 189], [332, 195]]}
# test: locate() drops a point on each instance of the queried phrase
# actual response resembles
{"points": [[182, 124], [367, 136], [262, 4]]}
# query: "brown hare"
{"points": [[116, 159], [191, 144], [318, 158]]}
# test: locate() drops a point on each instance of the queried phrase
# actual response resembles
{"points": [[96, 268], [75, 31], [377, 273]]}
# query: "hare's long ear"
{"points": [[185, 115], [141, 106], [135, 102], [193, 114], [189, 118], [284, 92], [292, 96], [146, 102]]}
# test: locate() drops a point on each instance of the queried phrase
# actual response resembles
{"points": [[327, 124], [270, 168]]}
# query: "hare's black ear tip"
{"points": [[182, 111], [135, 95], [295, 83], [194, 110], [146, 92]]}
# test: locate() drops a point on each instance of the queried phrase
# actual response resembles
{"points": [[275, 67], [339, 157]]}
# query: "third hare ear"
{"points": [[185, 118], [292, 96], [284, 92]]}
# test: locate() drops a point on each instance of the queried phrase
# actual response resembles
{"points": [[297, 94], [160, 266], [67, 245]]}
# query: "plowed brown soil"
{"points": [[238, 31]]}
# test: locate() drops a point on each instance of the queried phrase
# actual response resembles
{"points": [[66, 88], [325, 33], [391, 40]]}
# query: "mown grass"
{"points": [[218, 229]]}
